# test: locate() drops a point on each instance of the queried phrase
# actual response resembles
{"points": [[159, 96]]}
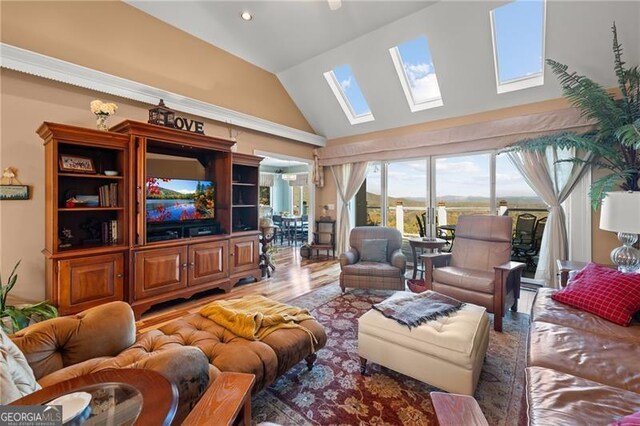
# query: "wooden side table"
{"points": [[227, 401], [457, 410], [566, 266], [434, 245], [132, 395]]}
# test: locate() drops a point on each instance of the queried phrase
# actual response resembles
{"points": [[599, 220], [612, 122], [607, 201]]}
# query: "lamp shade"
{"points": [[620, 212]]}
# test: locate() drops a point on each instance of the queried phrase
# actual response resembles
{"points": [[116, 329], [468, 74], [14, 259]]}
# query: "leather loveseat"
{"points": [[582, 369], [190, 351]]}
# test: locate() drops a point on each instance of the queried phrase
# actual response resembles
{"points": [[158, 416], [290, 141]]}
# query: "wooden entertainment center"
{"points": [[123, 249]]}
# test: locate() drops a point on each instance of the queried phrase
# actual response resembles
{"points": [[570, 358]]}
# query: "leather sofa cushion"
{"points": [[372, 269], [60, 342], [545, 309], [603, 359], [16, 376], [470, 279], [556, 398], [454, 338]]}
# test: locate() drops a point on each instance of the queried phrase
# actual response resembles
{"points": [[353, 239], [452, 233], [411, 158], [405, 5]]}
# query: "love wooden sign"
{"points": [[184, 123]]}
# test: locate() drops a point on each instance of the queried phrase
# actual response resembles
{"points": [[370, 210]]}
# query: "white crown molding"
{"points": [[18, 59]]}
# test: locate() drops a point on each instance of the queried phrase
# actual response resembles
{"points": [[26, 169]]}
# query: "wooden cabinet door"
{"points": [[244, 254], [208, 262], [159, 271], [90, 281]]}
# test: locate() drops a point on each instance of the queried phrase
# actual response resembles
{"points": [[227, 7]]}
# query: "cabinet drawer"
{"points": [[159, 271], [90, 281]]}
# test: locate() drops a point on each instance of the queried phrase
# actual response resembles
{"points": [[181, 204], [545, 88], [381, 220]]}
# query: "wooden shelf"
{"points": [[115, 247], [243, 184], [89, 209], [88, 176], [243, 205]]}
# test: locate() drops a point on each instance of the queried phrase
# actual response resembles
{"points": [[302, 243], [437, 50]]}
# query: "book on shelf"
{"points": [[110, 232], [108, 195]]}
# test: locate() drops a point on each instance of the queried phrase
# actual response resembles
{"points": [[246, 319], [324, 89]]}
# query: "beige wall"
{"points": [[118, 39], [27, 101]]}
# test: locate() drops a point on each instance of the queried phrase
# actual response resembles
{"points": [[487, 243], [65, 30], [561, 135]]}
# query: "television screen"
{"points": [[170, 200]]}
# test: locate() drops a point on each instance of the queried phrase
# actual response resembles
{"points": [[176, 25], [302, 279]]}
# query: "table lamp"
{"points": [[620, 212]]}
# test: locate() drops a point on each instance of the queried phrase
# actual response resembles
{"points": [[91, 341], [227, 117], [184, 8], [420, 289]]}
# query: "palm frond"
{"points": [[618, 67], [629, 135], [601, 186], [593, 101]]}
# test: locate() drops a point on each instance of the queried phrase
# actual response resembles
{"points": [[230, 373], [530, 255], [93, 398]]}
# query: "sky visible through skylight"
{"points": [[419, 69], [519, 38], [351, 90]]}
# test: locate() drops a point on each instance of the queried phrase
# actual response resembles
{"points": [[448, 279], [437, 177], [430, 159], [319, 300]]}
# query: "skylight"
{"points": [[417, 74], [518, 30], [346, 90]]}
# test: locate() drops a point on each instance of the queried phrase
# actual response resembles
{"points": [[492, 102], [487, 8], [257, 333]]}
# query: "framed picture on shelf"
{"points": [[14, 192], [76, 164]]}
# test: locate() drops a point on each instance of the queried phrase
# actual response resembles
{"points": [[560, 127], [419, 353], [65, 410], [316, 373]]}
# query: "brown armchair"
{"points": [[478, 269]]}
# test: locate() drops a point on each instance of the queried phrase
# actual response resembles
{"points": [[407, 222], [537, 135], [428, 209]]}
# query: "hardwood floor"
{"points": [[293, 277]]}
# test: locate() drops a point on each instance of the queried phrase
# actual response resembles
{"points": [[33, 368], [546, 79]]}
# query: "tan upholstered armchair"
{"points": [[478, 269], [385, 273]]}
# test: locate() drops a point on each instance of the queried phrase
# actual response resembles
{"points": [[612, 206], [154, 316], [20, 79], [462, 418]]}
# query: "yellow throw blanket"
{"points": [[255, 317]]}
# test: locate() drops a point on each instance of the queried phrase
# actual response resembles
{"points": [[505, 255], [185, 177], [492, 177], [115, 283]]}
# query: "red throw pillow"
{"points": [[604, 292], [630, 420]]}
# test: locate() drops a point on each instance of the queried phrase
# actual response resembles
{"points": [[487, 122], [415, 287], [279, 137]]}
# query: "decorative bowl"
{"points": [[111, 172]]}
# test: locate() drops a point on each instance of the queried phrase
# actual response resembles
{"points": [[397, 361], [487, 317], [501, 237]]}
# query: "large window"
{"points": [[373, 195], [406, 195], [463, 187], [413, 63], [300, 199], [343, 83], [518, 30], [434, 192], [265, 196]]}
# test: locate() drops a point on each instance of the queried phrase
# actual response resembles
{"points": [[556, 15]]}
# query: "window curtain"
{"points": [[267, 179], [301, 180], [348, 178], [553, 180]]}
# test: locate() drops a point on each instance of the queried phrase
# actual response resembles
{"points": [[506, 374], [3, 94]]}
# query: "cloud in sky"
{"points": [[423, 81], [345, 84]]}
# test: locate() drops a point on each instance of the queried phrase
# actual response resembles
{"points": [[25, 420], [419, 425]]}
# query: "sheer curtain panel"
{"points": [[348, 179]]}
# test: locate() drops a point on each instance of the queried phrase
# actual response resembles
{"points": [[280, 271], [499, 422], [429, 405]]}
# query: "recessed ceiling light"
{"points": [[246, 16]]}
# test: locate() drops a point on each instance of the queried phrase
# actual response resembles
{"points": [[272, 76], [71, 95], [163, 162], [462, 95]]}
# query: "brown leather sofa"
{"points": [[478, 270], [582, 369], [190, 351]]}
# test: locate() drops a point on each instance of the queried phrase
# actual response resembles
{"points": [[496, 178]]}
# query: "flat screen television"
{"points": [[179, 200]]}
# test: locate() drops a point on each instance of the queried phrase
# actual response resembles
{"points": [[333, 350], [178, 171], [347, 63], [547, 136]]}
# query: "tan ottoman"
{"points": [[447, 352]]}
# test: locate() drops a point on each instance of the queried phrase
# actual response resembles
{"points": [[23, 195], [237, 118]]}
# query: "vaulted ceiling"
{"points": [[299, 41]]}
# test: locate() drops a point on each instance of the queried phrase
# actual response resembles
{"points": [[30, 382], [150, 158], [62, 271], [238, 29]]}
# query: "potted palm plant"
{"points": [[14, 318], [615, 139]]}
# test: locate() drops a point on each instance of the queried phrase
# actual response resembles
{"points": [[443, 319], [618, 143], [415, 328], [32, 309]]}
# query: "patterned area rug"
{"points": [[334, 392]]}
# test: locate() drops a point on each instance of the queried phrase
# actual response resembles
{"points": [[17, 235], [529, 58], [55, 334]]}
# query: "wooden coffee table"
{"points": [[119, 396]]}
